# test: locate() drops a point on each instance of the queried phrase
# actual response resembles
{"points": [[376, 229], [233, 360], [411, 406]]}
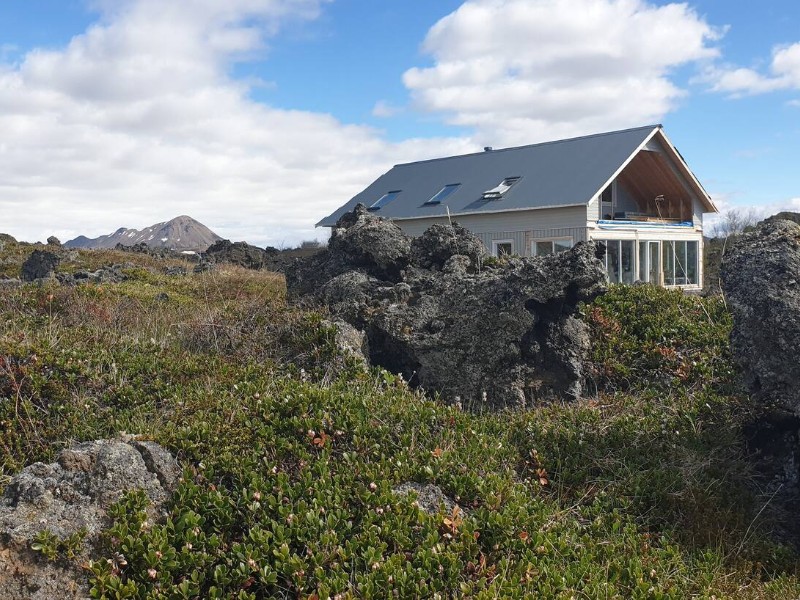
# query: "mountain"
{"points": [[180, 233]]}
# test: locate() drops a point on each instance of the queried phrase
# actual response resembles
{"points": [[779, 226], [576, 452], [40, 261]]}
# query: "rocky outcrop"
{"points": [[239, 253], [41, 264], [761, 282], [68, 497], [499, 334]]}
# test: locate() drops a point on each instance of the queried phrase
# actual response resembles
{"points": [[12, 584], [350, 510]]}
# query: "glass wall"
{"points": [[680, 262], [657, 262], [619, 260]]}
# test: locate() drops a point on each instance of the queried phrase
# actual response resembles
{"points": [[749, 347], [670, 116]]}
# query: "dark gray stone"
{"points": [[434, 248], [53, 241], [41, 264], [239, 253], [498, 336], [761, 283], [204, 267]]}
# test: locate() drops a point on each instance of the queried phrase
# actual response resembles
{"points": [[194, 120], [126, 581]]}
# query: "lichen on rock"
{"points": [[70, 496]]}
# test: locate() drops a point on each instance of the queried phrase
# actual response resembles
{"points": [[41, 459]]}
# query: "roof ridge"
{"points": [[547, 143]]}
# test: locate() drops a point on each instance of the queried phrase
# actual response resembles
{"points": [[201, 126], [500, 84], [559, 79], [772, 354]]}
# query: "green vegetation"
{"points": [[291, 452]]}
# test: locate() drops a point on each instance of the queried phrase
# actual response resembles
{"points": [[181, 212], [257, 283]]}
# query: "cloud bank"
{"points": [[783, 73], [519, 71], [137, 121]]}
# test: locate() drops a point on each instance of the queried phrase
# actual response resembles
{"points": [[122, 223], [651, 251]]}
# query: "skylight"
{"points": [[384, 200], [443, 193], [500, 189]]}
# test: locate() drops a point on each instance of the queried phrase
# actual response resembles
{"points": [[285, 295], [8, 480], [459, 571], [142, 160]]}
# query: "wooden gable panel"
{"points": [[648, 176]]}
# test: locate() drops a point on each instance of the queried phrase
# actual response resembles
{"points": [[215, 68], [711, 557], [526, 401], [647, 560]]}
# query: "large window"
{"points": [[550, 246], [619, 261], [680, 262]]}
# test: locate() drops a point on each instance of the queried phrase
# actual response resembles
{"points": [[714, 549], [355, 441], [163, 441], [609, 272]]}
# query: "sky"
{"points": [[260, 117]]}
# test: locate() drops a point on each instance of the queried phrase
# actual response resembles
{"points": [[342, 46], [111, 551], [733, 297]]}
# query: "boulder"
{"points": [[69, 496], [500, 335], [761, 283], [41, 264], [371, 243], [239, 253], [6, 240], [53, 241], [440, 243]]}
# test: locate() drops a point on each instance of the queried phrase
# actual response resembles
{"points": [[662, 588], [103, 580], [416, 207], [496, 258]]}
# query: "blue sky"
{"points": [[258, 117]]}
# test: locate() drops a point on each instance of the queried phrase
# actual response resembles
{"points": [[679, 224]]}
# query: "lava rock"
{"points": [[761, 282], [53, 241], [41, 264], [434, 248], [68, 496], [496, 336], [239, 253]]}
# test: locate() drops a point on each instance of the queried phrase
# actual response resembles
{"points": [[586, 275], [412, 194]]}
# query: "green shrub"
{"points": [[291, 453]]}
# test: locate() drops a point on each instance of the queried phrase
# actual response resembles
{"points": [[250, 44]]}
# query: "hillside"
{"points": [[293, 451], [180, 233]]}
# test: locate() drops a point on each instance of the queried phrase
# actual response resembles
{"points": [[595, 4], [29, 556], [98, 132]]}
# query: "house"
{"points": [[631, 189]]}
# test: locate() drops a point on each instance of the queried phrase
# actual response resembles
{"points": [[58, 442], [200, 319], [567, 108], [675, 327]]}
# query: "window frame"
{"points": [[497, 243], [507, 182], [435, 199], [553, 240], [679, 262], [381, 202]]}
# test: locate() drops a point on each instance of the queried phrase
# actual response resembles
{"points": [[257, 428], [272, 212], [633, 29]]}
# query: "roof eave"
{"points": [[702, 195]]}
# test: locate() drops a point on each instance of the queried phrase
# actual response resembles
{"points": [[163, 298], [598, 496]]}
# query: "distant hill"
{"points": [[180, 233]]}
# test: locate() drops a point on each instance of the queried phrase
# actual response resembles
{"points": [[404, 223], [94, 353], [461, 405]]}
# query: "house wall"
{"points": [[521, 227], [593, 209]]}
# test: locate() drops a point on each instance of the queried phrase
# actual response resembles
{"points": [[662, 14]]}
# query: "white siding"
{"points": [[593, 209], [522, 227]]}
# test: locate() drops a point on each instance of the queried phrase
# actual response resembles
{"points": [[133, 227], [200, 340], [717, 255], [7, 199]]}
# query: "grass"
{"points": [[292, 452]]}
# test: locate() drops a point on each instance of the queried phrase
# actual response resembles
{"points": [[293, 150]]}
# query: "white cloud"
{"points": [[137, 121], [525, 70], [783, 74]]}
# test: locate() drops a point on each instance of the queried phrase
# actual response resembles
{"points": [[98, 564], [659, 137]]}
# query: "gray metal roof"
{"points": [[560, 173]]}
